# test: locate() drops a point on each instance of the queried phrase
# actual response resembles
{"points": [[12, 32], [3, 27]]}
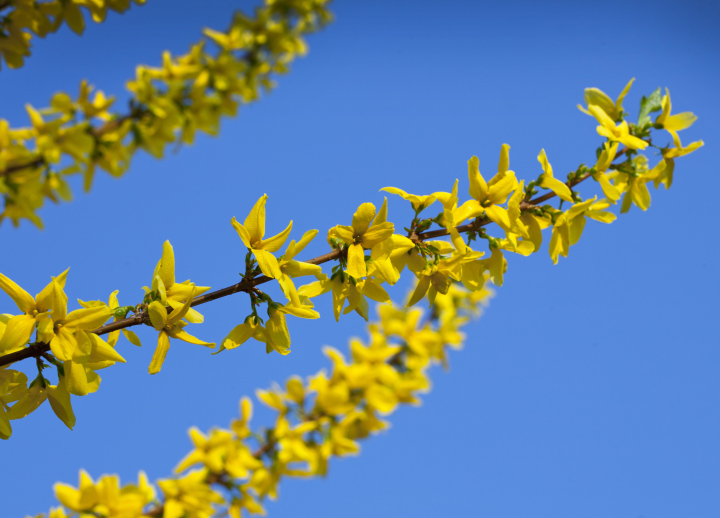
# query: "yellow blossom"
{"points": [[345, 289], [106, 497], [419, 203], [569, 225], [488, 196], [67, 333], [595, 96], [364, 233], [20, 327], [548, 181], [603, 163], [619, 133], [290, 268], [252, 233], [675, 123], [171, 293], [170, 326], [189, 496]]}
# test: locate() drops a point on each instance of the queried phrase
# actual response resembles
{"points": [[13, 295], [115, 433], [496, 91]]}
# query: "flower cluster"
{"points": [[169, 104], [233, 470], [28, 17], [502, 215]]}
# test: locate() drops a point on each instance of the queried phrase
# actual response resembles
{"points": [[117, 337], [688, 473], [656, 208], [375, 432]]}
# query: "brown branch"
{"points": [[468, 227], [248, 284], [32, 351], [35, 162]]}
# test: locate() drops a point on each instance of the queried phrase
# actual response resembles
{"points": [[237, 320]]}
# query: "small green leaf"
{"points": [[649, 105]]}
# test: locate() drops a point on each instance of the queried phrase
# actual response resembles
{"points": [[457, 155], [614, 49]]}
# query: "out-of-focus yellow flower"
{"points": [[419, 203], [603, 163], [106, 497], [548, 181], [674, 123], [595, 96], [569, 225], [619, 133], [189, 496]]}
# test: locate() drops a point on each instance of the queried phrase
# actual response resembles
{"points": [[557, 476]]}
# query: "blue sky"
{"points": [[588, 389]]}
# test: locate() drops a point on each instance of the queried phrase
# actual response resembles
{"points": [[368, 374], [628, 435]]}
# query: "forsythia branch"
{"points": [[168, 105], [246, 285], [30, 17], [369, 254]]}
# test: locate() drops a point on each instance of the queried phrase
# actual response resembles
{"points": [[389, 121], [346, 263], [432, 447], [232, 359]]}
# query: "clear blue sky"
{"points": [[588, 389]]}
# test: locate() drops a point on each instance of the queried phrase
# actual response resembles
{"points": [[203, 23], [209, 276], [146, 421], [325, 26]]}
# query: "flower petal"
{"points": [[255, 222], [242, 232], [268, 263], [273, 244], [363, 217], [166, 268], [160, 352], [356, 261], [17, 333], [22, 298]]}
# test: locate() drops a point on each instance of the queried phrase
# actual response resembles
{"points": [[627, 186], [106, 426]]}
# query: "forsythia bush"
{"points": [[325, 415]]}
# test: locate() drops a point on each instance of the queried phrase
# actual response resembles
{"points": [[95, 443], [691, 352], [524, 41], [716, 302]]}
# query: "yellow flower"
{"points": [[437, 277], [67, 333], [13, 387], [219, 453], [634, 185], [274, 334], [675, 123], [20, 327], [364, 233], [170, 326], [488, 196], [619, 133], [569, 225], [106, 497], [595, 96], [252, 233], [603, 163], [453, 216], [346, 289], [496, 265], [548, 181], [80, 377], [290, 268], [189, 496], [419, 203], [413, 258], [167, 291], [113, 304]]}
